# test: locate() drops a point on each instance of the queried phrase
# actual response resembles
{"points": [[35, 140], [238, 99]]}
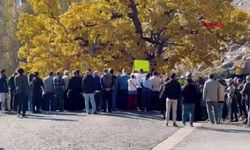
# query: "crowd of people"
{"points": [[217, 100]]}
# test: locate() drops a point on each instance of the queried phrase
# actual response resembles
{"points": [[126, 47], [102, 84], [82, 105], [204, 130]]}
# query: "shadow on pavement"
{"points": [[134, 115], [224, 130], [50, 119]]}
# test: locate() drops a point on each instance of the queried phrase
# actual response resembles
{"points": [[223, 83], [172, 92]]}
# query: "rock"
{"points": [[238, 57], [227, 64], [247, 66]]}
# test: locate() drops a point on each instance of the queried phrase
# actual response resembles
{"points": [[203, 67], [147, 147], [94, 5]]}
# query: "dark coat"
{"points": [[21, 84], [173, 90], [37, 84], [190, 93], [88, 84], [97, 83], [3, 84], [11, 83], [75, 84]]}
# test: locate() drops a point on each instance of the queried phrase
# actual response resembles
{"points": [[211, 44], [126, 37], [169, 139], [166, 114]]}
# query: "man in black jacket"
{"points": [[88, 91], [22, 92], [190, 97], [38, 87], [173, 93], [74, 92], [11, 85]]}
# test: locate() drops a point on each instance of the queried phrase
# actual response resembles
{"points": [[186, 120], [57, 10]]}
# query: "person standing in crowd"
{"points": [[190, 97], [22, 92], [88, 91], [48, 96], [123, 90], [107, 84], [98, 90], [146, 92], [140, 77], [12, 89], [243, 103], [59, 91], [30, 91], [173, 94], [3, 91], [210, 96], [113, 89], [238, 96], [74, 92], [233, 100], [38, 87], [132, 92], [156, 81], [246, 92], [221, 98], [163, 98], [66, 79], [230, 95], [201, 105]]}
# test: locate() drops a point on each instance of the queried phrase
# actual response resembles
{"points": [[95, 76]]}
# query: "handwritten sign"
{"points": [[141, 64]]}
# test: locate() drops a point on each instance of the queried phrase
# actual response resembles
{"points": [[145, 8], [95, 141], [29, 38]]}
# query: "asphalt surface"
{"points": [[78, 131]]}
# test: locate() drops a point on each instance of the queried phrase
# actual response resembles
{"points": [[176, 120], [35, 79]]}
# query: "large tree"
{"points": [[112, 33]]}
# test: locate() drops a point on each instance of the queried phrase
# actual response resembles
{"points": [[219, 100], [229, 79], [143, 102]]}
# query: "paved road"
{"points": [[76, 131], [222, 137], [117, 131]]}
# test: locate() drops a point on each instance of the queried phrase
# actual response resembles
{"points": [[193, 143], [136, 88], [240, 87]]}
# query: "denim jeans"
{"points": [[90, 97], [212, 110], [30, 104], [4, 101], [220, 109], [188, 113]]}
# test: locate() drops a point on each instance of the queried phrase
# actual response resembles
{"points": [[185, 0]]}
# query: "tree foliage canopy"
{"points": [[112, 33]]}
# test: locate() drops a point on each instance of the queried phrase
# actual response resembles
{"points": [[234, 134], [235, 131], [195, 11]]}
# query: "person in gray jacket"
{"points": [[22, 91], [107, 84], [210, 96]]}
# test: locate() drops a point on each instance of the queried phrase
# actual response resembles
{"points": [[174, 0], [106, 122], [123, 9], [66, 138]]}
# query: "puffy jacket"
{"points": [[173, 89]]}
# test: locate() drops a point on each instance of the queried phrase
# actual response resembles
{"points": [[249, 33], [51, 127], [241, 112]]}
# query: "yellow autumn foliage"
{"points": [[113, 33]]}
